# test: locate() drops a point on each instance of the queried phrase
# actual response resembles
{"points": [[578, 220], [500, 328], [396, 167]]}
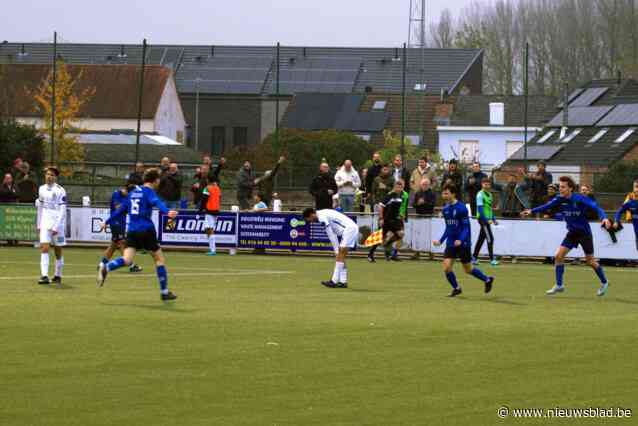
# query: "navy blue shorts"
{"points": [[463, 253], [574, 239], [117, 233], [144, 240]]}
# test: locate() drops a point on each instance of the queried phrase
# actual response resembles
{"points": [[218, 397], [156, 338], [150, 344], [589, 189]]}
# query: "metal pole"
{"points": [[139, 103], [422, 109], [197, 80], [277, 97], [405, 65], [526, 92], [55, 60]]}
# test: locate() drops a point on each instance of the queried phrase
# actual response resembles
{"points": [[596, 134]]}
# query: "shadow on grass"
{"points": [[366, 290], [61, 287], [163, 306], [494, 300], [625, 301]]}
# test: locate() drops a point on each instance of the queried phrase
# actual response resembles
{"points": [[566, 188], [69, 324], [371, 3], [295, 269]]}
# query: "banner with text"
{"points": [[188, 229], [18, 223]]}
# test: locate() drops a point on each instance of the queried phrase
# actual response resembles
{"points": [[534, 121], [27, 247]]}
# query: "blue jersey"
{"points": [[139, 206], [457, 225], [118, 199], [574, 211], [632, 207]]}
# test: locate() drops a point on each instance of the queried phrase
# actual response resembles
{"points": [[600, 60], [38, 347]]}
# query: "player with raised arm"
{"points": [[338, 226], [631, 206], [141, 232], [573, 208], [51, 222], [118, 228], [458, 241]]}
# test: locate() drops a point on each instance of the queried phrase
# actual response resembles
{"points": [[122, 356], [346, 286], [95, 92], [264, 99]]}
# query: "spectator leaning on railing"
{"points": [[399, 172], [323, 187], [510, 204], [245, 185], [453, 176], [170, 188], [8, 191], [424, 198], [348, 182]]}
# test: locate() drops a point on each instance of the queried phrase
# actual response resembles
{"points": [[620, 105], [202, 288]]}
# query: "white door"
{"points": [[468, 151]]}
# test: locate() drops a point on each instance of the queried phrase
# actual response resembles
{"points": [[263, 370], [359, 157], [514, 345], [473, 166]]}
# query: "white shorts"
{"points": [[47, 237], [211, 221], [350, 237]]}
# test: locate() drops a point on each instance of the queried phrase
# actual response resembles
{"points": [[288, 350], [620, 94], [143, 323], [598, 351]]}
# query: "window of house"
{"points": [[468, 151], [625, 135], [179, 136], [546, 136], [414, 139], [570, 136], [597, 136], [379, 105], [240, 136], [364, 137], [511, 147], [218, 140]]}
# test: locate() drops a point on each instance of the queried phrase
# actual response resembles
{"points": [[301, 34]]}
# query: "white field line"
{"points": [[169, 267], [179, 274]]}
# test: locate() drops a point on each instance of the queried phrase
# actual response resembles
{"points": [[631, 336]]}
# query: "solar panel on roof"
{"points": [[589, 97], [621, 115], [580, 116], [572, 96]]}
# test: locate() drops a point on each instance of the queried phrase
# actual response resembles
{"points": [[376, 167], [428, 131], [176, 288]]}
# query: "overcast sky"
{"points": [[259, 22]]}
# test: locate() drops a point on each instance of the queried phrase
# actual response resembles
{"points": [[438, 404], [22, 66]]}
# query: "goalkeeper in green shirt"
{"points": [[485, 216]]}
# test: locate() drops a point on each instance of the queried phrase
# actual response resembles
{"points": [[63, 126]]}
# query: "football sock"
{"points": [[451, 279], [59, 265], [211, 243], [162, 276], [560, 270], [344, 274], [476, 272], [337, 272], [373, 249], [115, 264], [601, 274], [44, 264], [104, 260]]}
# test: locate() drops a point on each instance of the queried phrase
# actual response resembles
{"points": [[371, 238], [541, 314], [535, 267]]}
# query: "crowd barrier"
{"points": [[288, 231]]}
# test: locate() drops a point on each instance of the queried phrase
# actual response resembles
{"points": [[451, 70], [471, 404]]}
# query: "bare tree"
{"points": [[442, 33]]}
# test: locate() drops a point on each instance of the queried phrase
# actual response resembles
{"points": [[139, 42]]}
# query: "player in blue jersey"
{"points": [[458, 241], [141, 231], [118, 228], [573, 208], [631, 205]]}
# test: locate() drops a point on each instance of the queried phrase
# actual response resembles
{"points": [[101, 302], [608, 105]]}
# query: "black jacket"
{"points": [[429, 201], [473, 188], [404, 174], [170, 187], [319, 188], [373, 171], [8, 194]]}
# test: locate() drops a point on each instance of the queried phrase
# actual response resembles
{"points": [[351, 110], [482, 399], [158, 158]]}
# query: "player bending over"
{"points": [[118, 229], [458, 241], [337, 226], [211, 200], [485, 216], [390, 221], [141, 232], [51, 221], [573, 208], [630, 205]]}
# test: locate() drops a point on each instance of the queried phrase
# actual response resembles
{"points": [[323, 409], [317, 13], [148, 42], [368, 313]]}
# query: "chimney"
{"points": [[497, 113]]}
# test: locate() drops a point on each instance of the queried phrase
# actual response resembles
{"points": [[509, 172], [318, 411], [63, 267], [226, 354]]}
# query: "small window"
{"points": [[598, 135], [570, 137], [420, 87], [414, 139], [625, 135], [379, 105], [364, 137], [546, 136], [240, 136]]}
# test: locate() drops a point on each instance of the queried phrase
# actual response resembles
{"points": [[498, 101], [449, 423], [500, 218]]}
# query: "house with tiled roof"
{"points": [[490, 128], [598, 127], [114, 103]]}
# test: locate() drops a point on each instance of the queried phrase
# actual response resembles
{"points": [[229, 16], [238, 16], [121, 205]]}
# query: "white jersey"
{"points": [[51, 204], [338, 225]]}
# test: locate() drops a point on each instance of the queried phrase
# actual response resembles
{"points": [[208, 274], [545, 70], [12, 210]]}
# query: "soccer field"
{"points": [[255, 340]]}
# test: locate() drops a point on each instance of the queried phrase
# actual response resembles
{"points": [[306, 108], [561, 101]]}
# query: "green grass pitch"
{"points": [[255, 340]]}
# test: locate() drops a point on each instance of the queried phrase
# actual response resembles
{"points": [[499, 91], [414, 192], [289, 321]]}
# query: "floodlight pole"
{"points": [[526, 93], [277, 95], [405, 66], [139, 103], [197, 80], [54, 64]]}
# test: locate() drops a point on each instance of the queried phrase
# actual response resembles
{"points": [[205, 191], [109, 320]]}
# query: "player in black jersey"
{"points": [[390, 221]]}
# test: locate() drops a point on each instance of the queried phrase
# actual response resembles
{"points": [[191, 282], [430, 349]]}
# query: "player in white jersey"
{"points": [[51, 221], [343, 233]]}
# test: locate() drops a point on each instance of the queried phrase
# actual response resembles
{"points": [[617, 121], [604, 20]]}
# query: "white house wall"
{"points": [[492, 144], [169, 119]]}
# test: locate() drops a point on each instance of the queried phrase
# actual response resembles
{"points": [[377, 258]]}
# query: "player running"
{"points": [[210, 202], [630, 205], [390, 221], [485, 216], [458, 241], [118, 229], [338, 227], [141, 231], [51, 222], [573, 207]]}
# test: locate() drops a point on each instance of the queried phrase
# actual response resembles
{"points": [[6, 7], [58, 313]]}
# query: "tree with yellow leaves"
{"points": [[68, 103]]}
